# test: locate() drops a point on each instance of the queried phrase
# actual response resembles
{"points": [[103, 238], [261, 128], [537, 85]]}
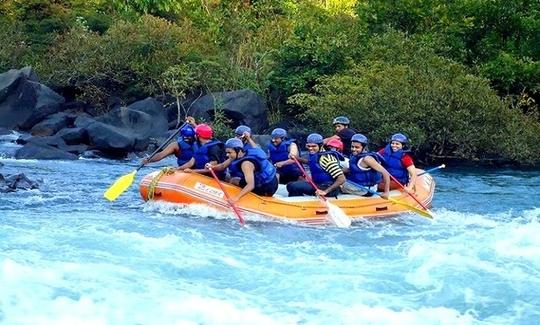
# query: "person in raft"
{"points": [[280, 152], [337, 145], [183, 148], [325, 170], [255, 172], [343, 133], [209, 151], [398, 162], [365, 169], [243, 132]]}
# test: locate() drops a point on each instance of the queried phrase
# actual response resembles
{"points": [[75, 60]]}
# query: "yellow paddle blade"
{"points": [[421, 212], [119, 186], [338, 216]]}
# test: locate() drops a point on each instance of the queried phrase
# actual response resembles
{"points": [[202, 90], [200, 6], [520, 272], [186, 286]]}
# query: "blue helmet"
{"points": [[315, 138], [399, 137], [341, 120], [279, 133], [187, 131], [360, 138], [241, 129], [234, 143]]}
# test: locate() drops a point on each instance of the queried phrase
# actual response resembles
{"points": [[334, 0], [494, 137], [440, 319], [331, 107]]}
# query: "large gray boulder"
{"points": [[9, 80], [43, 151], [241, 106], [73, 135], [126, 129], [24, 101], [52, 124]]}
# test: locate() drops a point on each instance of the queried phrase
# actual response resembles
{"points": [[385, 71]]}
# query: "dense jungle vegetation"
{"points": [[460, 77]]}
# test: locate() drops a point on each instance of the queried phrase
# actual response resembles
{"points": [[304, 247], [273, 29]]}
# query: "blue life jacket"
{"points": [[318, 174], [202, 158], [392, 163], [281, 153], [265, 172], [187, 151], [360, 176], [247, 145]]}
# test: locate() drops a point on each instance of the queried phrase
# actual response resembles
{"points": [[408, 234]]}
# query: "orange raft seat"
{"points": [[193, 188]]}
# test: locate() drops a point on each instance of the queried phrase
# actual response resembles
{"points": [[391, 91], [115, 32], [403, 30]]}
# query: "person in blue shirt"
{"points": [[183, 148], [243, 132], [324, 168], [343, 132], [398, 161], [209, 151], [254, 172], [364, 169], [280, 151]]}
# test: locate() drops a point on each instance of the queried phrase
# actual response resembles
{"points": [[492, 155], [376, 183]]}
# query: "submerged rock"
{"points": [[11, 183]]}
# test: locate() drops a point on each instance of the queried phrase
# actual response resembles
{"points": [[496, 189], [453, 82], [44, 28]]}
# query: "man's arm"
{"points": [[330, 164], [172, 148], [411, 169], [190, 163], [248, 169], [293, 152], [371, 162]]}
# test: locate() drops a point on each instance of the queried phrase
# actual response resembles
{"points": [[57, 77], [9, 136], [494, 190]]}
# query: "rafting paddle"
{"points": [[421, 212], [233, 206], [432, 170], [122, 184], [337, 216], [406, 191]]}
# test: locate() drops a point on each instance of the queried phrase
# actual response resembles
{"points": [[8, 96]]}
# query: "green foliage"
{"points": [[221, 124], [406, 87], [501, 37], [14, 47], [320, 45], [129, 56]]}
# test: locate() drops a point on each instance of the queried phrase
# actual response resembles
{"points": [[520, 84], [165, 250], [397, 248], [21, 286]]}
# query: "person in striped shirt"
{"points": [[325, 170]]}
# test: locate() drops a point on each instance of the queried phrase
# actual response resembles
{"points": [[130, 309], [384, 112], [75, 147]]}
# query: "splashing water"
{"points": [[67, 256]]}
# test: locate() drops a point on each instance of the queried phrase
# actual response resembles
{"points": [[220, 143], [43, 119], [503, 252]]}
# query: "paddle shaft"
{"points": [[233, 206], [421, 212], [406, 191], [432, 170], [336, 215], [166, 142], [308, 178]]}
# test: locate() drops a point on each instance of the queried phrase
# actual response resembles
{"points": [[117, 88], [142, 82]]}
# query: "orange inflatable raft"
{"points": [[192, 188]]}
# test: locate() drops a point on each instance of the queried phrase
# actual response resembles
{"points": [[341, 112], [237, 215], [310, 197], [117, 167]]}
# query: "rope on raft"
{"points": [[155, 180]]}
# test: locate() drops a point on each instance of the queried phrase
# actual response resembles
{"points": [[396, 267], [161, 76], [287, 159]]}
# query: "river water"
{"points": [[67, 256]]}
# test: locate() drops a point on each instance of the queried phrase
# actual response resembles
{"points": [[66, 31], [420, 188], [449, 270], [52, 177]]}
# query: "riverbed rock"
{"points": [[126, 129], [11, 183], [24, 101], [73, 136], [241, 106], [43, 151], [52, 124]]}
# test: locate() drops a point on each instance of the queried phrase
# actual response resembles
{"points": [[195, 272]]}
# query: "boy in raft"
{"points": [[280, 152], [209, 151], [255, 172], [399, 162], [343, 133], [364, 169], [325, 170], [183, 148], [243, 132]]}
